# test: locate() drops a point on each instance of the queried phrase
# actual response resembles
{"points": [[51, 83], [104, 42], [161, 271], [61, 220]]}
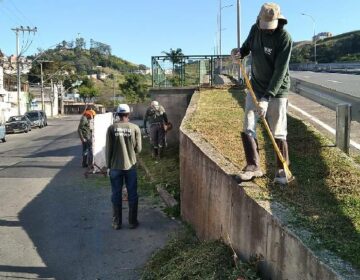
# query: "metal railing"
{"points": [[347, 107], [193, 70]]}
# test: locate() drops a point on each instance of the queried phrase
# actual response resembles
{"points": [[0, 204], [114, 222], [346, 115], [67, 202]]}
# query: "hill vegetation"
{"points": [[341, 48], [94, 72]]}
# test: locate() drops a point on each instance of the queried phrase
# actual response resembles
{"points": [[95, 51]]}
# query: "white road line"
{"points": [[333, 81], [324, 125]]}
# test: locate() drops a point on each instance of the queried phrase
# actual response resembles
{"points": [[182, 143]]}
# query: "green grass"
{"points": [[326, 198], [185, 257], [164, 172]]}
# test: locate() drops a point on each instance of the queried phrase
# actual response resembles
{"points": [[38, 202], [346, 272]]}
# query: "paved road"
{"points": [[345, 83], [54, 224], [321, 117]]}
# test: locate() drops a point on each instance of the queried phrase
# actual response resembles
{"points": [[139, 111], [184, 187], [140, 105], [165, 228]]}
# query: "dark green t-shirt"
{"points": [[270, 61]]}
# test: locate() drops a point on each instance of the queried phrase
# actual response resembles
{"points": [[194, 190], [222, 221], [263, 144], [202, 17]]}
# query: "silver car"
{"points": [[2, 132]]}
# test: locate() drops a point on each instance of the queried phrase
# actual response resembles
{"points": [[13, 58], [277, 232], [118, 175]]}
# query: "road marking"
{"points": [[306, 77], [324, 125], [333, 81]]}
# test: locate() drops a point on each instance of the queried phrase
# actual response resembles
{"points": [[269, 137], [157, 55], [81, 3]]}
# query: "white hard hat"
{"points": [[123, 108]]}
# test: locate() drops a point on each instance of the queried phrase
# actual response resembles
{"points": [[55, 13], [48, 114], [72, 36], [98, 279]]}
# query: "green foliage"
{"points": [[87, 91], [175, 56], [134, 88], [344, 47]]}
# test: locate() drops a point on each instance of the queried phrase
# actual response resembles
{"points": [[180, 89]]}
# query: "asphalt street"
{"points": [[319, 116], [346, 83], [55, 224]]}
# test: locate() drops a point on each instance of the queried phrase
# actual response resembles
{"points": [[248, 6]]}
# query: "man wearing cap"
{"points": [[156, 116], [270, 46], [85, 135], [123, 142]]}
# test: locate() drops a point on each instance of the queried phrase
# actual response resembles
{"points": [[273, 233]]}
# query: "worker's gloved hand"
{"points": [[236, 53], [262, 107]]}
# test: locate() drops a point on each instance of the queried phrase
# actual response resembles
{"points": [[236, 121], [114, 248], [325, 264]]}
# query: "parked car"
{"points": [[2, 132], [43, 114], [18, 124], [36, 118]]}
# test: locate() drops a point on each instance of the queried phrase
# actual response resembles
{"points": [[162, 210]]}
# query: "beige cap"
{"points": [[270, 15]]}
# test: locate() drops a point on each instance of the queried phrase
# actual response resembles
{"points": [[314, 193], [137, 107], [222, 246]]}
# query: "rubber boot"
{"points": [[133, 211], [117, 217], [155, 152], [252, 169], [160, 153], [280, 176], [84, 161]]}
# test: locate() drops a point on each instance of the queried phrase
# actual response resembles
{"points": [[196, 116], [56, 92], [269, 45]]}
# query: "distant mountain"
{"points": [[341, 48]]}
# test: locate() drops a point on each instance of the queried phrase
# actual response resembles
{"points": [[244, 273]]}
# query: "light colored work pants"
{"points": [[275, 115]]}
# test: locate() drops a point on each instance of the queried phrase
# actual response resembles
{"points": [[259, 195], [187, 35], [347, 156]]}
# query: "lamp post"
{"points": [[220, 9], [238, 9], [314, 38]]}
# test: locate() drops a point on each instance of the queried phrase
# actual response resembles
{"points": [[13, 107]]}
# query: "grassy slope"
{"points": [[327, 197]]}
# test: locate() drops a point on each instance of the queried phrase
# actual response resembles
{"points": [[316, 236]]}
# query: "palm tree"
{"points": [[175, 56]]}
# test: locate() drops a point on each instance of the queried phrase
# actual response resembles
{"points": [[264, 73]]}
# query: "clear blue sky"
{"points": [[139, 29]]}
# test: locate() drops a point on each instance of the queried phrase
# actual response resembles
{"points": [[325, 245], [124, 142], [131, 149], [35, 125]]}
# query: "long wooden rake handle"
{"points": [[277, 150]]}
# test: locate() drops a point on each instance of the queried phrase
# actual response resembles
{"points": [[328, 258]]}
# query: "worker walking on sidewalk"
{"points": [[157, 118], [270, 46], [123, 142], [85, 134]]}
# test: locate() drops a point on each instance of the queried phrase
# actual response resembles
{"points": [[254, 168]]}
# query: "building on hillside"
{"points": [[322, 35], [51, 99]]}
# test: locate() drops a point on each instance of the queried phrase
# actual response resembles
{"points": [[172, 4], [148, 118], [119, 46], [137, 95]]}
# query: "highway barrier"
{"points": [[347, 107]]}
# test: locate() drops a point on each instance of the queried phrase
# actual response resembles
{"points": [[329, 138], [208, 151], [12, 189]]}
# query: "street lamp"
{"points": [[220, 9], [238, 9], [314, 38]]}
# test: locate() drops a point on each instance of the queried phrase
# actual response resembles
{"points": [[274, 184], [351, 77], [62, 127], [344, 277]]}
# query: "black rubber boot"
{"points": [[160, 153], [133, 211], [280, 176], [155, 153], [117, 217], [283, 147], [84, 161], [252, 168]]}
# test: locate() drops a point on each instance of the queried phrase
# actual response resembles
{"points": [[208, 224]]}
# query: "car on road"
{"points": [[2, 132], [44, 117], [18, 124], [36, 118]]}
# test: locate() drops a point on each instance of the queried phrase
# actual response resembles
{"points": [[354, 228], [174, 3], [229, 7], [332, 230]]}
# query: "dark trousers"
{"points": [[87, 151], [157, 135], [117, 179]]}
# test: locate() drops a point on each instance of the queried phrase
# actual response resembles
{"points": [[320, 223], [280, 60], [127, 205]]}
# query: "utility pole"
{"points": [[42, 82], [18, 54], [238, 35]]}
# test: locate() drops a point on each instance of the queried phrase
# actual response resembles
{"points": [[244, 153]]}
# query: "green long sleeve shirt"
{"points": [[123, 142], [270, 61], [84, 129]]}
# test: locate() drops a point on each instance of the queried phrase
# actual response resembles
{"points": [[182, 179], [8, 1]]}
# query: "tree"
{"points": [[175, 56], [87, 93], [134, 88]]}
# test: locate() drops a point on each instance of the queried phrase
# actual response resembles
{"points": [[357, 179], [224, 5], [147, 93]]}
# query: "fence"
{"points": [[194, 70]]}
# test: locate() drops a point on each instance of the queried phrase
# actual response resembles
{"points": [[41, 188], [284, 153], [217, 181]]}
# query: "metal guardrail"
{"points": [[347, 107]]}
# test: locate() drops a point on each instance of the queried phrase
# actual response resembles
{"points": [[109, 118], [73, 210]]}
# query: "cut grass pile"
{"points": [[326, 199], [185, 257]]}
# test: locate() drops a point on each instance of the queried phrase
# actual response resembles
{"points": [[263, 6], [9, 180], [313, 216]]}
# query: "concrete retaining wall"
{"points": [[175, 101], [219, 208]]}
